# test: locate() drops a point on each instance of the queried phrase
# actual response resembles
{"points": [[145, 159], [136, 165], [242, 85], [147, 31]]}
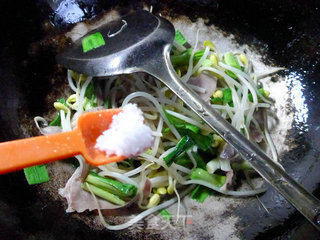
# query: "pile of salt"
{"points": [[127, 135]]}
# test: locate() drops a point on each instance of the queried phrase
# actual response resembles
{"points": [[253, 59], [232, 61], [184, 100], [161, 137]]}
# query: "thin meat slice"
{"points": [[206, 82], [227, 152]]}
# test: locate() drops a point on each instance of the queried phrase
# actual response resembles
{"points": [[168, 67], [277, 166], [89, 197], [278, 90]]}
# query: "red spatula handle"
{"points": [[18, 154]]}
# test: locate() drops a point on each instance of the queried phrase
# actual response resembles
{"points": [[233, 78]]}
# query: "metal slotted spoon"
{"points": [[141, 42]]}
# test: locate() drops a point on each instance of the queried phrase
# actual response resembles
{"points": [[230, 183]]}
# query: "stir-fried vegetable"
{"points": [[184, 144], [181, 124], [233, 62], [122, 190], [36, 174], [165, 214], [179, 38], [214, 179], [183, 58], [200, 193], [103, 194], [185, 150]]}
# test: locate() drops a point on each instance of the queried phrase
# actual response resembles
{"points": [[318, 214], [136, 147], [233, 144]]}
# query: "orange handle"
{"points": [[18, 154]]}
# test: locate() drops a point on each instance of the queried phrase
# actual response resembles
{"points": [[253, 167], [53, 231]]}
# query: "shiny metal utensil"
{"points": [[141, 42]]}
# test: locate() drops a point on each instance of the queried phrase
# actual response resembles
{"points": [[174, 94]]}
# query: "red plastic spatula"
{"points": [[18, 154]]}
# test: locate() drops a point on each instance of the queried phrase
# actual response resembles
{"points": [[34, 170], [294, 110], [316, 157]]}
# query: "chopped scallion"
{"points": [[233, 62], [181, 124], [199, 160], [200, 193], [214, 179], [179, 38], [36, 174], [184, 144], [122, 190], [103, 194], [92, 41], [183, 58], [56, 121], [261, 91], [165, 214]]}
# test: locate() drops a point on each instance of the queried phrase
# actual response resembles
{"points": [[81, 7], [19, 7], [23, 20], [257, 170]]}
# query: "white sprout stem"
{"points": [[197, 88], [181, 168], [242, 76], [204, 56], [193, 160], [186, 77], [243, 193], [81, 95], [158, 138], [42, 120], [70, 81], [63, 121], [159, 181], [137, 170], [187, 119], [119, 176], [229, 80], [142, 214], [269, 73], [120, 30], [269, 139], [178, 198]]}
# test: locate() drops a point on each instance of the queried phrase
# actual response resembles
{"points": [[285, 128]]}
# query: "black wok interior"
{"points": [[286, 31]]}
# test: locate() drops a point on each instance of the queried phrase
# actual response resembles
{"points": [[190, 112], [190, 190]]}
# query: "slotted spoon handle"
{"points": [[296, 194]]}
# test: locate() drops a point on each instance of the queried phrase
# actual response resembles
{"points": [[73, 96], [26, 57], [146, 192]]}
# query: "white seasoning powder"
{"points": [[127, 134]]}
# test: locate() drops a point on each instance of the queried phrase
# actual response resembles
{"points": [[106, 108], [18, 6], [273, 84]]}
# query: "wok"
{"points": [[286, 33]]}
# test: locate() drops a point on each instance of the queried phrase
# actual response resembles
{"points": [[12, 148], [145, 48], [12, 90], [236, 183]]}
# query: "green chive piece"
{"points": [[199, 160], [121, 190], [179, 38], [185, 143], [36, 174], [181, 124], [214, 179], [202, 141], [192, 127], [92, 41], [261, 91], [227, 96], [103, 194], [231, 60], [165, 214], [200, 193], [217, 100], [63, 101], [207, 63], [90, 91], [184, 161], [183, 58], [56, 121]]}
